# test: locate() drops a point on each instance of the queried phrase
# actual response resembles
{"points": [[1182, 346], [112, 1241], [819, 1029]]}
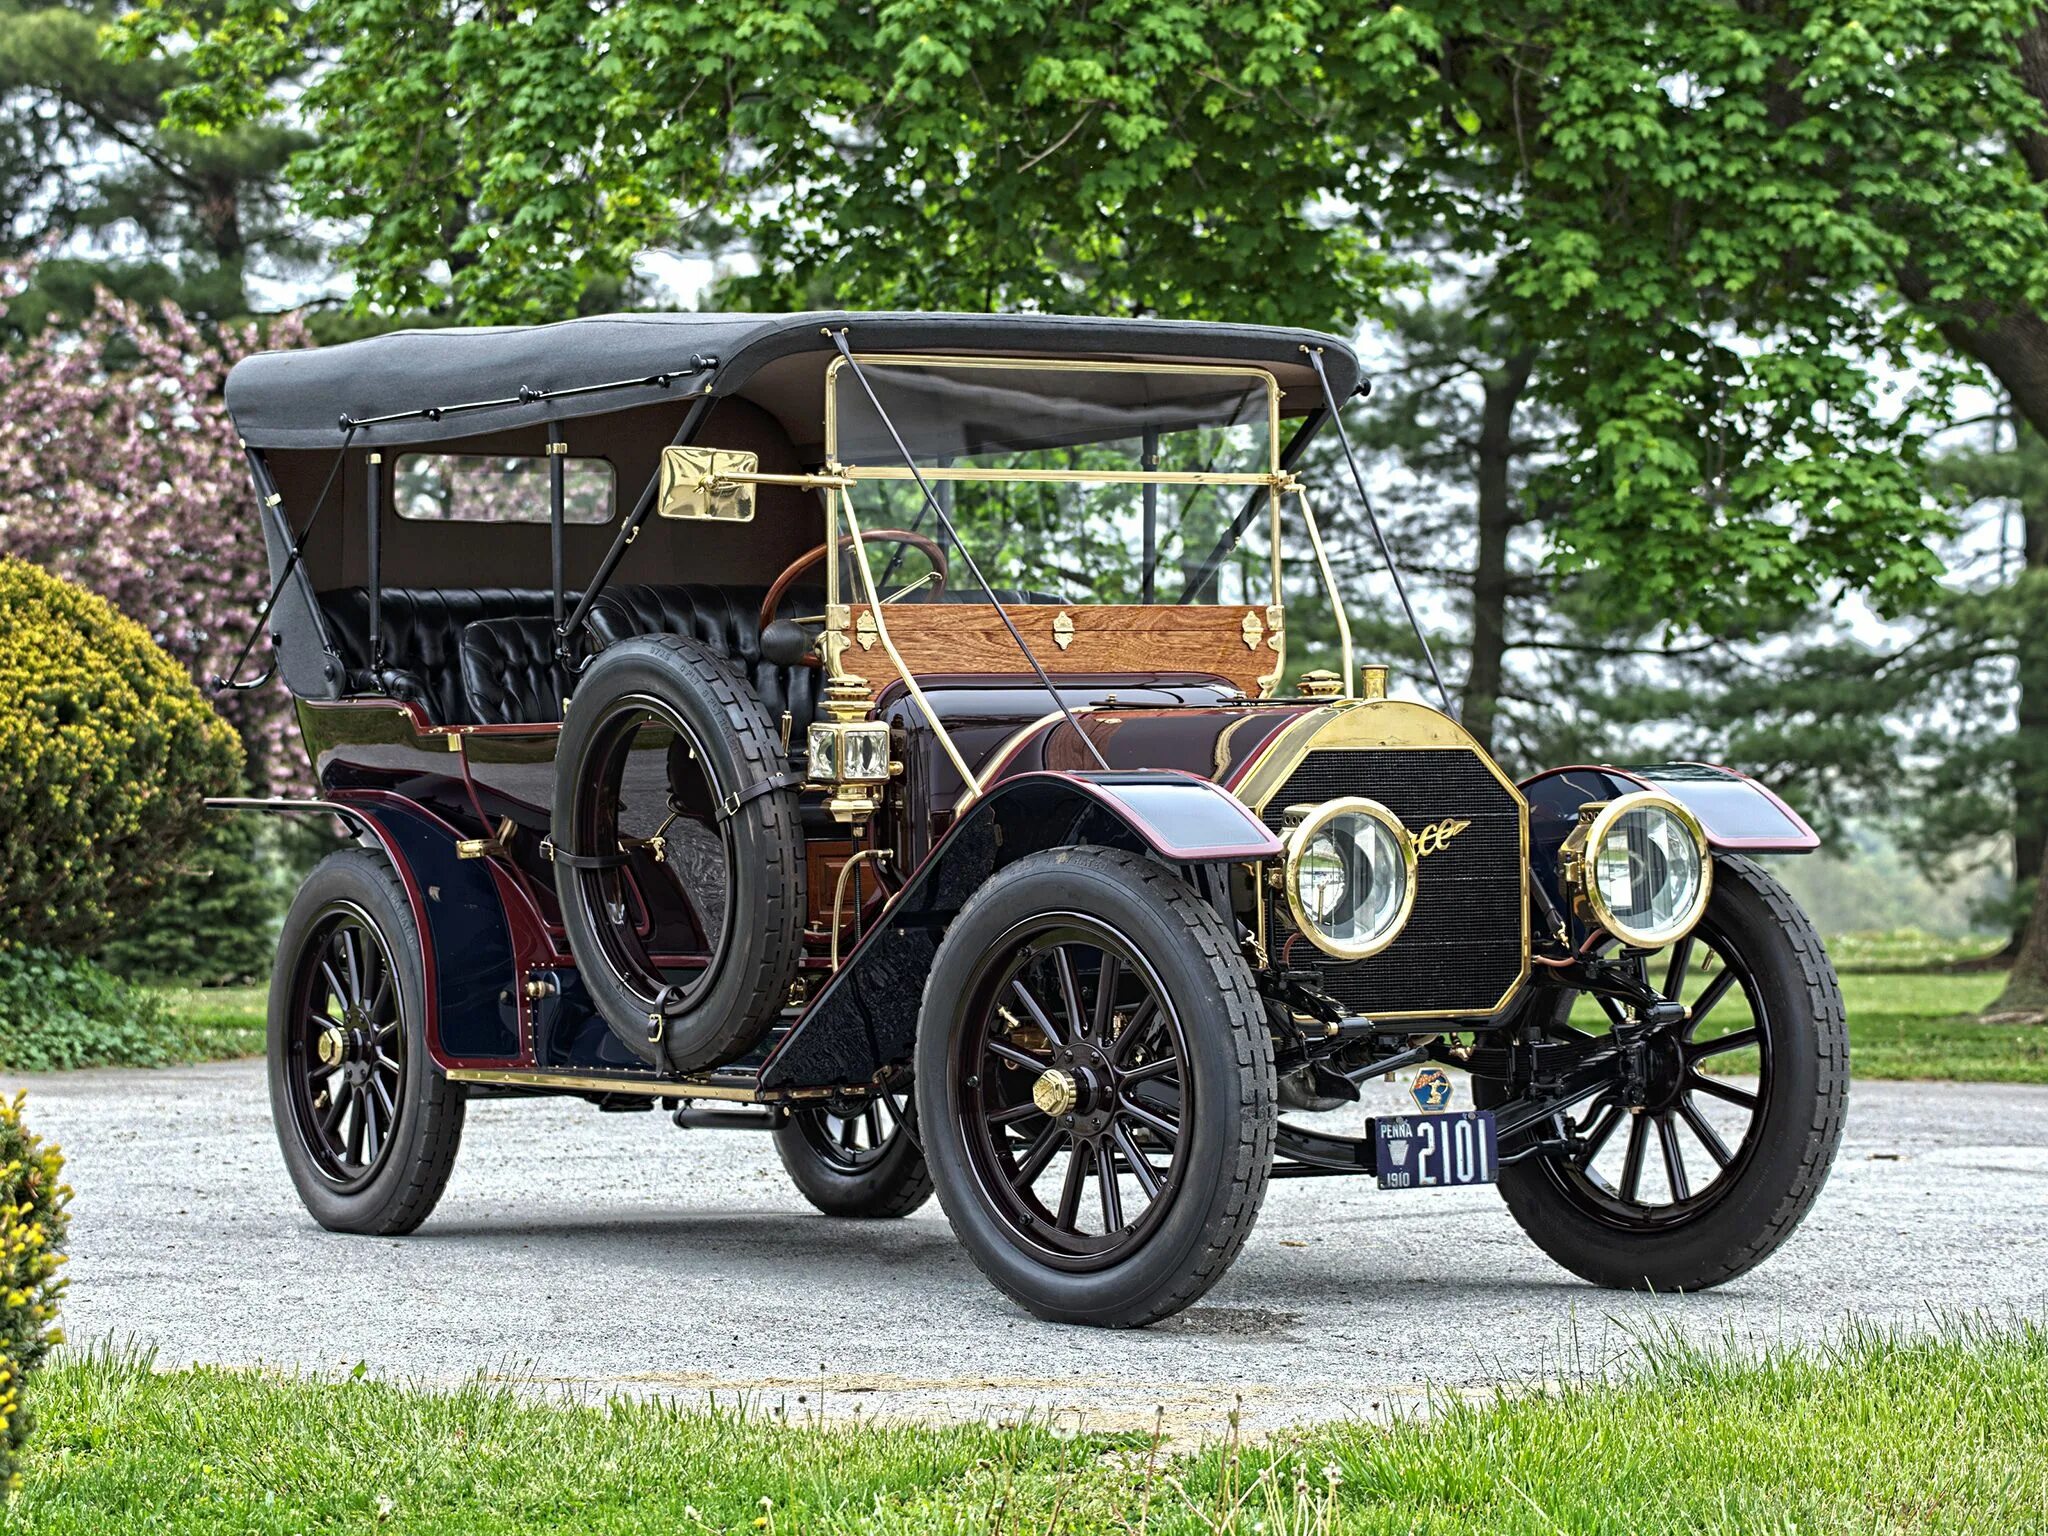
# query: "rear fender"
{"points": [[1739, 814], [463, 910], [864, 1020]]}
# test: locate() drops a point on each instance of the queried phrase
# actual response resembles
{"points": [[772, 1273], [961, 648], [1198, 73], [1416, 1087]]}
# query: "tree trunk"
{"points": [[2026, 989], [1490, 569], [218, 205], [2030, 744]]}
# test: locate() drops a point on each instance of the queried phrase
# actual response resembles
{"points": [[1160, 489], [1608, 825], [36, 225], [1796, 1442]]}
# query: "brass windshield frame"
{"points": [[1276, 480]]}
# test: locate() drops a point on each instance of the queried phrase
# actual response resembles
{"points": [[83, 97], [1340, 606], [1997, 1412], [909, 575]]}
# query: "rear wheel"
{"points": [[1700, 1170], [368, 1124], [856, 1159], [1095, 1087]]}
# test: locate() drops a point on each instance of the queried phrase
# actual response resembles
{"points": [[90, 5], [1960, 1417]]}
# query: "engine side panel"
{"points": [[864, 1020]]}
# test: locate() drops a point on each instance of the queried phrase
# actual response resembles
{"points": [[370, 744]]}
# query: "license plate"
{"points": [[1440, 1151]]}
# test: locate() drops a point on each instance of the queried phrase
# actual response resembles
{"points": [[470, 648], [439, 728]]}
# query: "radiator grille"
{"points": [[1462, 948]]}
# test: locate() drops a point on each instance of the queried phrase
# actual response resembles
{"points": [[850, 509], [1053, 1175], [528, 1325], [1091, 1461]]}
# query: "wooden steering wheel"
{"points": [[929, 547]]}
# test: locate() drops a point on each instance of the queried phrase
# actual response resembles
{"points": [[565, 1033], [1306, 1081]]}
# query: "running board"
{"points": [[609, 1082]]}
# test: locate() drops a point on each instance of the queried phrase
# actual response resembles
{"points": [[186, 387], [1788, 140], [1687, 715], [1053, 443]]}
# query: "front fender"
{"points": [[864, 1020], [1739, 814]]}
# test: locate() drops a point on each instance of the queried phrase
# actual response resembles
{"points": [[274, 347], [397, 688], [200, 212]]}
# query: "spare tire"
{"points": [[678, 853]]}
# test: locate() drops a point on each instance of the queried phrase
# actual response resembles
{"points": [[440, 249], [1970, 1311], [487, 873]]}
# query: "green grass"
{"points": [[1907, 949], [1925, 1026], [218, 1023], [1947, 1433]]}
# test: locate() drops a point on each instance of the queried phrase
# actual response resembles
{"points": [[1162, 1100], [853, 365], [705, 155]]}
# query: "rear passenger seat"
{"points": [[728, 621], [485, 656], [423, 633]]}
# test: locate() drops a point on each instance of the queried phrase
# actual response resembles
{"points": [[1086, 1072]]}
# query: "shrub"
{"points": [[58, 1012], [124, 474], [32, 1221], [214, 920], [106, 748]]}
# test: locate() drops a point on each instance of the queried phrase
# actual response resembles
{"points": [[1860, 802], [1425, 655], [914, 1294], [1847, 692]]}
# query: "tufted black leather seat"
{"points": [[728, 620], [422, 639], [485, 656], [509, 671]]}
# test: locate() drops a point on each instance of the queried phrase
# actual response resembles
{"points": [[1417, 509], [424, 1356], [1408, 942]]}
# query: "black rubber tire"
{"points": [[415, 1170], [741, 748], [1200, 963], [895, 1184], [1803, 1116]]}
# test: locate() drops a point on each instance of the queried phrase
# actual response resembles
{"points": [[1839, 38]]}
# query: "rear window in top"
{"points": [[499, 488]]}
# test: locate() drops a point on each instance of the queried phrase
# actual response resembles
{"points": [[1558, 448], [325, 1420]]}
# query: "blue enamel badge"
{"points": [[1431, 1090]]}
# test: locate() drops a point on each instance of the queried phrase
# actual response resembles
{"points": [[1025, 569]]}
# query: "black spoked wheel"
{"points": [[1095, 1087], [856, 1158], [1075, 1071], [1663, 1161], [368, 1125], [855, 1138], [346, 1050], [679, 858], [1693, 1167]]}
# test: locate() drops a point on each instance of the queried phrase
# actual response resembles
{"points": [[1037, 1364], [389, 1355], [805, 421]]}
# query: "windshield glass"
{"points": [[1025, 458]]}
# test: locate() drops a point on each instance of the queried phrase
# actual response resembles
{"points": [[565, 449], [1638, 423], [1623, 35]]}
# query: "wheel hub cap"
{"points": [[333, 1046], [1055, 1093]]}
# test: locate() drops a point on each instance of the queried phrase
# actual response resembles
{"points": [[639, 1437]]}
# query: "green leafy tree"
{"points": [[91, 178], [1944, 729], [211, 917], [1728, 446]]}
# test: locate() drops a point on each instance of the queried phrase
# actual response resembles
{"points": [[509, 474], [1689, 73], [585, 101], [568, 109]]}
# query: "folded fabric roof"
{"points": [[465, 381]]}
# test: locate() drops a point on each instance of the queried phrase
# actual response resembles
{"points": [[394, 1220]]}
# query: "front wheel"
{"points": [[368, 1125], [1095, 1087], [1696, 1172]]}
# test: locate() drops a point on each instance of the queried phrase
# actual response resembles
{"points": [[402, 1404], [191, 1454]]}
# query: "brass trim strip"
{"points": [[599, 1082], [853, 473]]}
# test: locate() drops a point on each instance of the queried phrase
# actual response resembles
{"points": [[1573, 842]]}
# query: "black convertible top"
{"points": [[527, 375]]}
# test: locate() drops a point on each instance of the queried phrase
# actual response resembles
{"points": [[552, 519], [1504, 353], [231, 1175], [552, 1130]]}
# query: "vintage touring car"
{"points": [[877, 729]]}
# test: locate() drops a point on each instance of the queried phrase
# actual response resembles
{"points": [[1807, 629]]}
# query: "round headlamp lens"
{"points": [[1353, 878], [1650, 872]]}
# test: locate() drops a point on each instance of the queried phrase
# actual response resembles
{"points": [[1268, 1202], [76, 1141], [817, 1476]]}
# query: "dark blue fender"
{"points": [[1739, 814], [865, 1018], [465, 934]]}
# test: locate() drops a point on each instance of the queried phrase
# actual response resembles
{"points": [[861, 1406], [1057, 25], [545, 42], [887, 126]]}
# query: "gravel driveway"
{"points": [[614, 1252]]}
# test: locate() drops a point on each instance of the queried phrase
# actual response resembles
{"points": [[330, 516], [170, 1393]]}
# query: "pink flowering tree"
{"points": [[120, 470]]}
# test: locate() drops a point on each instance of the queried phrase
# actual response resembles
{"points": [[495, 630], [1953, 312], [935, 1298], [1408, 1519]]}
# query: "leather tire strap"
{"points": [[729, 807]]}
